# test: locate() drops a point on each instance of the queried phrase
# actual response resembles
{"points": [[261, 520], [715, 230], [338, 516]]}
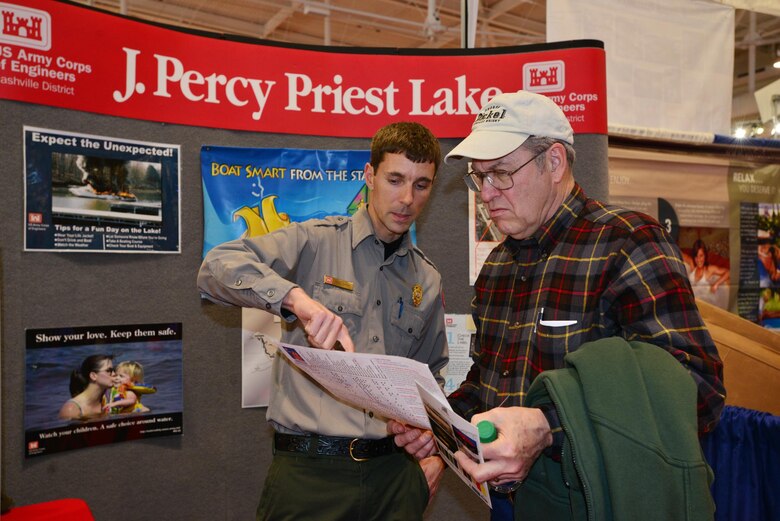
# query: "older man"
{"points": [[571, 270]]}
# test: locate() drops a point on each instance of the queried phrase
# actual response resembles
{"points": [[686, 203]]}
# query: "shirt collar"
{"points": [[363, 228], [549, 233]]}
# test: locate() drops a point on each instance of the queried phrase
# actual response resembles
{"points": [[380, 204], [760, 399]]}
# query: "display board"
{"points": [[42, 290], [224, 450], [721, 204]]}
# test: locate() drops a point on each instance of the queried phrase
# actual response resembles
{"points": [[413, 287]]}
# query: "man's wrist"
{"points": [[288, 302], [287, 307]]}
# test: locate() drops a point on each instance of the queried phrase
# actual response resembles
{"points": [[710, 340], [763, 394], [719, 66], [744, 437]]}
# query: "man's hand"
{"points": [[523, 433], [323, 327], [417, 442], [433, 468]]}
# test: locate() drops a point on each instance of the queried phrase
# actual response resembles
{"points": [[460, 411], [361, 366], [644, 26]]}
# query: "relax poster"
{"points": [[724, 213]]}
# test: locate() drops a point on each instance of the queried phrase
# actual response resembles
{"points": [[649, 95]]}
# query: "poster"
{"points": [[260, 332], [689, 196], [86, 193], [723, 213], [461, 332], [756, 188], [253, 191], [768, 265], [483, 235], [149, 354]]}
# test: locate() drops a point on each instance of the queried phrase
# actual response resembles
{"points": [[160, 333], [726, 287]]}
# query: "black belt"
{"points": [[314, 445]]}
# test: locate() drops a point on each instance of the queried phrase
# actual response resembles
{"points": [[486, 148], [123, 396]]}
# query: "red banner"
{"points": [[73, 57]]}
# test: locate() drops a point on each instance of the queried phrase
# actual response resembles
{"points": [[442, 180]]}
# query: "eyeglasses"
{"points": [[498, 180], [109, 370]]}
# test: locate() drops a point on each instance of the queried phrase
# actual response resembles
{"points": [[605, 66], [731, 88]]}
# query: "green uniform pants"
{"points": [[336, 488]]}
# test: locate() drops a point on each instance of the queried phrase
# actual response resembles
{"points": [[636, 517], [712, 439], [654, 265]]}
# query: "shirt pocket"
{"points": [[406, 331], [342, 302], [553, 342]]}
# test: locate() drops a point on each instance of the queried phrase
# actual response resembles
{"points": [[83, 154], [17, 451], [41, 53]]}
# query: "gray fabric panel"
{"points": [[216, 469]]}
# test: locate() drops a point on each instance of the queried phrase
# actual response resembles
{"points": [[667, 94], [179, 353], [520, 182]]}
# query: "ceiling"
{"points": [[425, 24]]}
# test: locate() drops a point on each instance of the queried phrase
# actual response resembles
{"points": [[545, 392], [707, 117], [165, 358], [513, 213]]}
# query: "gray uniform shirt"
{"points": [[381, 312]]}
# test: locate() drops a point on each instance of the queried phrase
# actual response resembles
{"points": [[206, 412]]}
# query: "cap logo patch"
{"points": [[490, 115]]}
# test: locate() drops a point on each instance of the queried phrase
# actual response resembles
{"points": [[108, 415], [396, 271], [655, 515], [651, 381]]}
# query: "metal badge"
{"points": [[417, 295]]}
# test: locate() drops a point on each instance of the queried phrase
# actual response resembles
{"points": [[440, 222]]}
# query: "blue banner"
{"points": [[253, 191]]}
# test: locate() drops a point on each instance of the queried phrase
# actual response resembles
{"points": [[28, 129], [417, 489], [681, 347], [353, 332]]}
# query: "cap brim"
{"points": [[486, 144]]}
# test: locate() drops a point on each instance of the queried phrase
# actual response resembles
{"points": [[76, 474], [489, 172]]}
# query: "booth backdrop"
{"points": [[216, 468]]}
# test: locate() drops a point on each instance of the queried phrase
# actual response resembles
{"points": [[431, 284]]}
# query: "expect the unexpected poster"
{"points": [[91, 193]]}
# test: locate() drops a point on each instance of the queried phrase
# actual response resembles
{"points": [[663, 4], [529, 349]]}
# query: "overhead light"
{"points": [[751, 129]]}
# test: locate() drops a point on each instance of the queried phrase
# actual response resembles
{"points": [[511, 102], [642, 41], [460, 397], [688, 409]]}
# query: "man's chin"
{"points": [[401, 227]]}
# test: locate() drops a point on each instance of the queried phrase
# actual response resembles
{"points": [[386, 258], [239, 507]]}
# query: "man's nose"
{"points": [[488, 191], [407, 194]]}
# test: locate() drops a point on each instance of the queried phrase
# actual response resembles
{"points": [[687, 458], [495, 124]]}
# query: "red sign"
{"points": [[72, 57]]}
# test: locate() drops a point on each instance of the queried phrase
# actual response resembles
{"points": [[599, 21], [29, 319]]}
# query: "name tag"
{"points": [[339, 283]]}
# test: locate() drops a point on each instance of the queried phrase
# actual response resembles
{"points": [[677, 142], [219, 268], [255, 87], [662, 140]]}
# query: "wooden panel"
{"points": [[751, 359]]}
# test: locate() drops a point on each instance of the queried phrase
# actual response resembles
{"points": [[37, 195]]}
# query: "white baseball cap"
{"points": [[507, 120]]}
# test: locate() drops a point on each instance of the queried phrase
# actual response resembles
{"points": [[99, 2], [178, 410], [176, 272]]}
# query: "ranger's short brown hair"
{"points": [[411, 139]]}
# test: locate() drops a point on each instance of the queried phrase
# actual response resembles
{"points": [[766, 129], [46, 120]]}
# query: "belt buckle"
{"points": [[351, 455]]}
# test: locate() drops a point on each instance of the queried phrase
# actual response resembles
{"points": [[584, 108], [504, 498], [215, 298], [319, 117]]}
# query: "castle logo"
{"points": [[544, 76], [25, 26]]}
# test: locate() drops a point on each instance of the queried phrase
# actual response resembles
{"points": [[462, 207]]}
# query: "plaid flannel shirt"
{"points": [[614, 272]]}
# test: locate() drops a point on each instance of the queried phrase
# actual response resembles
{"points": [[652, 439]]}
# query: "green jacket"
{"points": [[631, 449]]}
